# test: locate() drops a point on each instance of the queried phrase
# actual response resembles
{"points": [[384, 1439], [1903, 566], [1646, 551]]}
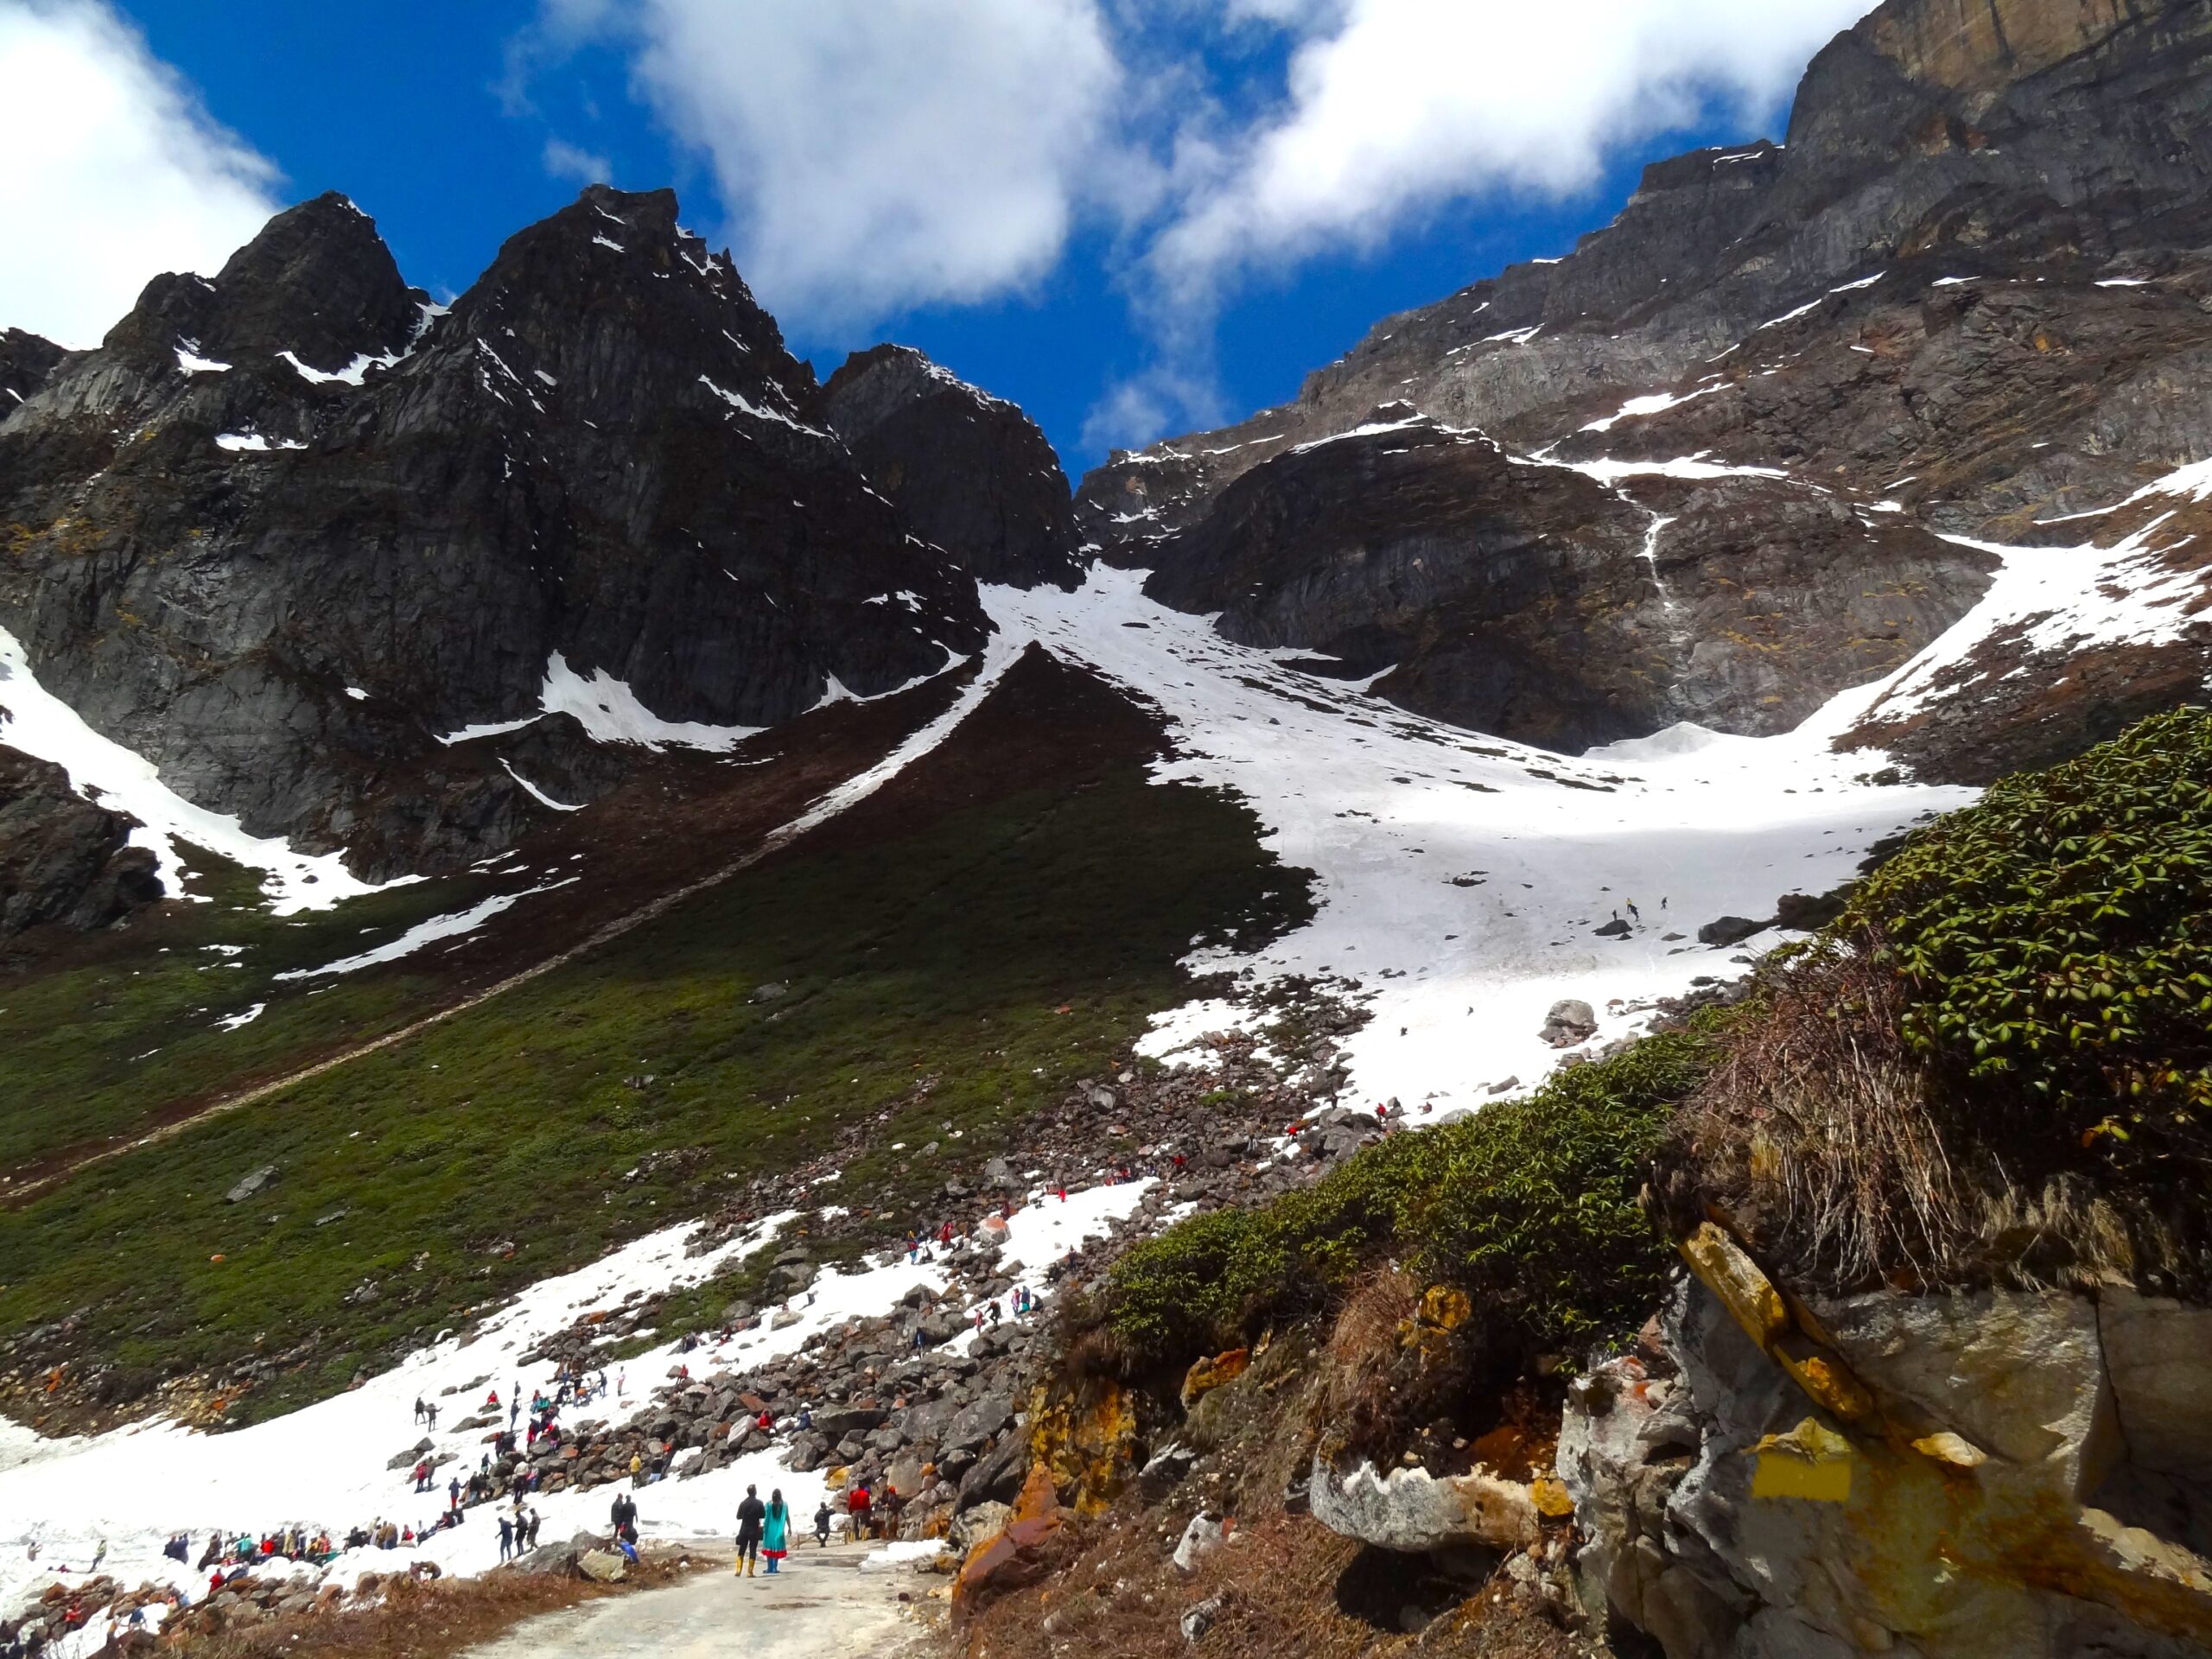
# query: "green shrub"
{"points": [[2054, 941], [1530, 1207]]}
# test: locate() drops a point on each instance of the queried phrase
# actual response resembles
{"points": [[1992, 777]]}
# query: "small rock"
{"points": [[251, 1185]]}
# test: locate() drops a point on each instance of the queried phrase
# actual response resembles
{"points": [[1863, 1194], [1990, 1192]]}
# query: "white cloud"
{"points": [[1395, 106], [566, 161], [875, 155], [114, 172]]}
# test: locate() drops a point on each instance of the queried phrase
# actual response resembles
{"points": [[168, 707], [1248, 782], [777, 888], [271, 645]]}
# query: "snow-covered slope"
{"points": [[1461, 878], [324, 1467]]}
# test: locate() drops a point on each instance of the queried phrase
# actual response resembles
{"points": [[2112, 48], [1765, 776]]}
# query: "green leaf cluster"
{"points": [[2054, 942]]}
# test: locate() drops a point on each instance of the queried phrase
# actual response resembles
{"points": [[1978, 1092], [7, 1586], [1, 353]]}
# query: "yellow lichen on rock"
{"points": [[1827, 1379], [1812, 1461], [1551, 1496], [1084, 1435], [1207, 1375], [1747, 1293]]}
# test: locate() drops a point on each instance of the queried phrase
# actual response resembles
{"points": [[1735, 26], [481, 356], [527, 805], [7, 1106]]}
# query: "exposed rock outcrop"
{"points": [[2026, 1477], [971, 472], [63, 858]]}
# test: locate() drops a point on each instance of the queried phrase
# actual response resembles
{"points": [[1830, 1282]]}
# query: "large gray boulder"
{"points": [[1413, 1512]]}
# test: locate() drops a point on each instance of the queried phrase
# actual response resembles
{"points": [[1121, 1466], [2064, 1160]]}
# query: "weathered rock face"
{"points": [[971, 472], [25, 361], [2027, 1480], [1533, 601], [63, 858], [1969, 292], [286, 530]]}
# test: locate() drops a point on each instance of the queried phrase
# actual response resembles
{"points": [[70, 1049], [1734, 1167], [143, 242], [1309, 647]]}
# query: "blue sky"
{"points": [[1130, 216]]}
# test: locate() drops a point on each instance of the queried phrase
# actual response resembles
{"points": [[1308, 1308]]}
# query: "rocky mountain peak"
{"points": [[668, 318], [25, 361], [317, 290], [971, 472]]}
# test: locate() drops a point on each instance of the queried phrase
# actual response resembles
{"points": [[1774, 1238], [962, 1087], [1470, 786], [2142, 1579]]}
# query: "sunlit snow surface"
{"points": [[1392, 812], [40, 724]]}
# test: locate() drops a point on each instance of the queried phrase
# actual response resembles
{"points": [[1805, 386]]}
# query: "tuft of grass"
{"points": [[1996, 1065]]}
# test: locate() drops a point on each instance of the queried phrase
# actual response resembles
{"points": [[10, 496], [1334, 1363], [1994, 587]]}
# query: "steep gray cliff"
{"points": [[287, 531]]}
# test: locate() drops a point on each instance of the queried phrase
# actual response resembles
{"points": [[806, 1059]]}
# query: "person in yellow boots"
{"points": [[750, 1515]]}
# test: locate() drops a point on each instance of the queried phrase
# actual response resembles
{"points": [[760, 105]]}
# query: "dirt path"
{"points": [[821, 1606]]}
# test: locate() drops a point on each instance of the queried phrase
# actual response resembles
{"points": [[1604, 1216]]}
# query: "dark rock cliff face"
{"points": [[63, 858], [971, 472], [1527, 600], [1975, 285], [25, 361], [285, 531]]}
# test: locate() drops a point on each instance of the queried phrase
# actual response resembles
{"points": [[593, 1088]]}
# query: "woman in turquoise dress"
{"points": [[776, 1531]]}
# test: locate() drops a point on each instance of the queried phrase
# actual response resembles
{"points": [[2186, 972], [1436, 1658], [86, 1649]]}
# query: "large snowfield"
{"points": [[1458, 885], [1459, 882]]}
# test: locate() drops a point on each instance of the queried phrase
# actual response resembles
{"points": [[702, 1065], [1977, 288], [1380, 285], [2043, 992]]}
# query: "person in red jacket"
{"points": [[859, 1505]]}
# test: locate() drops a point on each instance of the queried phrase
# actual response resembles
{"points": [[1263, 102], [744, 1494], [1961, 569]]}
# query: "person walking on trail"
{"points": [[821, 1526], [1634, 914], [858, 1505], [419, 1407], [776, 1532], [507, 1538], [750, 1515]]}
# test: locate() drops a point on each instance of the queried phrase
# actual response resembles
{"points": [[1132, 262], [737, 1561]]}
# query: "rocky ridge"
{"points": [[1968, 291], [287, 533], [971, 472]]}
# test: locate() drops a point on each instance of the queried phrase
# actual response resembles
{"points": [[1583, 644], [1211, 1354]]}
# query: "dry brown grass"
{"points": [[1278, 1586], [1826, 1143], [435, 1620], [1814, 1132]]}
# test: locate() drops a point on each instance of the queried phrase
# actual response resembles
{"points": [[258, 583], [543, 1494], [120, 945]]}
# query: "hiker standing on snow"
{"points": [[419, 1407], [776, 1531], [750, 1515], [507, 1538]]}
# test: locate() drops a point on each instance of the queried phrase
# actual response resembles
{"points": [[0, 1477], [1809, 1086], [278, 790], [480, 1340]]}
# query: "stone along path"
{"points": [[821, 1606]]}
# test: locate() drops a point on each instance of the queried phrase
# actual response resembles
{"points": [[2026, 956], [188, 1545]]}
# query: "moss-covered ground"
{"points": [[1001, 920], [123, 1027]]}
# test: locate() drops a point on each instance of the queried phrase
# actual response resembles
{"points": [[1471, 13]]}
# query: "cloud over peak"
{"points": [[878, 155], [115, 171]]}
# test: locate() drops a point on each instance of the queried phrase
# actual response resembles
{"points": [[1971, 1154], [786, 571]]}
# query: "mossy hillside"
{"points": [[1529, 1207], [927, 952], [127, 1025]]}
